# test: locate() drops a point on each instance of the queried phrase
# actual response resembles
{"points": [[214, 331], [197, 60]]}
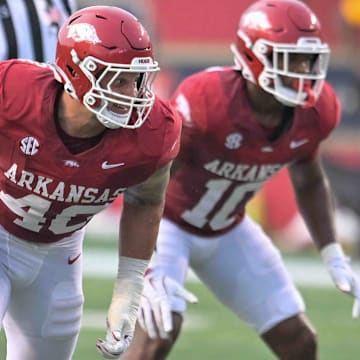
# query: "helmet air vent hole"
{"points": [[71, 70], [74, 19], [248, 56], [100, 17]]}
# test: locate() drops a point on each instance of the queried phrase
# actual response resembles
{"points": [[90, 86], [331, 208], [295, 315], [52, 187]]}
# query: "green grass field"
{"points": [[212, 333]]}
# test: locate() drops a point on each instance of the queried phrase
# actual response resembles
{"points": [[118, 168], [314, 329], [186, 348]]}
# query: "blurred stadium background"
{"points": [[191, 35]]}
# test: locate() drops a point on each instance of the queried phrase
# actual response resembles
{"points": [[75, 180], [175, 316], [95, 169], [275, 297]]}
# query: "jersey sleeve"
{"points": [[190, 106], [13, 100], [172, 134], [327, 114], [329, 110]]}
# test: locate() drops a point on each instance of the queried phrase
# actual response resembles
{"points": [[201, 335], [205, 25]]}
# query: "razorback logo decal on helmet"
{"points": [[83, 32], [256, 20]]}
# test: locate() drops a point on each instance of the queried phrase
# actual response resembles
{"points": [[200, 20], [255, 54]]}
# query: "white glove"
{"points": [[124, 307], [338, 266], [155, 315]]}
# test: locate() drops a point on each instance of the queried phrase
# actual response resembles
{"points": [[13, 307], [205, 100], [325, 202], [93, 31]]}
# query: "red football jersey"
{"points": [[46, 191], [227, 155]]}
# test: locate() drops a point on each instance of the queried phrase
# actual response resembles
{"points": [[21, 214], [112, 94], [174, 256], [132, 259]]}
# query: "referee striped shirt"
{"points": [[28, 28]]}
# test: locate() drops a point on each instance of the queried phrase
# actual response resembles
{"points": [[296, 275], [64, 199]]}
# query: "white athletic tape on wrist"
{"points": [[127, 291]]}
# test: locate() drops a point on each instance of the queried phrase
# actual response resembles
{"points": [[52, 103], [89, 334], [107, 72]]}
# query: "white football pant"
{"points": [[41, 297], [242, 268]]}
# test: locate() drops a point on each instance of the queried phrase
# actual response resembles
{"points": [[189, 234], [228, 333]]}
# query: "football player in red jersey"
{"points": [[73, 136], [240, 127]]}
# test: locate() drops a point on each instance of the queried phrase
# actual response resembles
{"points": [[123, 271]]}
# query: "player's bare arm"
{"points": [[151, 191], [316, 205], [143, 207], [314, 199], [142, 210]]}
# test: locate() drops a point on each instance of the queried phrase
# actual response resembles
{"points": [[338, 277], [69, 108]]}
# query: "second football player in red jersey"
{"points": [[240, 127], [72, 138]]}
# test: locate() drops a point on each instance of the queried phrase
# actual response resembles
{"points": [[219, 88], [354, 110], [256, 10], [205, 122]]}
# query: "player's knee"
{"points": [[293, 339], [64, 317], [148, 349], [304, 345], [144, 348], [160, 348]]}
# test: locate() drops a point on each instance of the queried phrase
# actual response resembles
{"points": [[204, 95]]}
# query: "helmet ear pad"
{"points": [[80, 83], [251, 64]]}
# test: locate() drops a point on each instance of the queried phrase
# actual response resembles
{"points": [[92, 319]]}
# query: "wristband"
{"points": [[331, 251], [130, 277]]}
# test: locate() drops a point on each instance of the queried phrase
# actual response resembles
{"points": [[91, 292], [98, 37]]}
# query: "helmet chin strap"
{"points": [[290, 97], [309, 91], [113, 120], [311, 99]]}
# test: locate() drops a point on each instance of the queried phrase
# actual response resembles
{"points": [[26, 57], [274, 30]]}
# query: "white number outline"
{"points": [[198, 216], [31, 210]]}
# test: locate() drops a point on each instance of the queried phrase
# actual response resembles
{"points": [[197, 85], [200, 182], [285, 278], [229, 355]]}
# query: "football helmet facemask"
{"points": [[100, 43], [270, 34]]}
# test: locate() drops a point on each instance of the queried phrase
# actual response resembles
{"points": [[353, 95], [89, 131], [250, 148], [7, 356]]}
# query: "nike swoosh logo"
{"points": [[295, 144], [105, 165], [72, 260]]}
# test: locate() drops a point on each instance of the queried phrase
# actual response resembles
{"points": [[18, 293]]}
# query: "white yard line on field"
{"points": [[308, 272], [95, 320]]}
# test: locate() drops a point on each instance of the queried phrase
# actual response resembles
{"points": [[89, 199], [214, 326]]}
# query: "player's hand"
{"points": [[155, 315], [124, 306], [114, 345], [343, 276]]}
